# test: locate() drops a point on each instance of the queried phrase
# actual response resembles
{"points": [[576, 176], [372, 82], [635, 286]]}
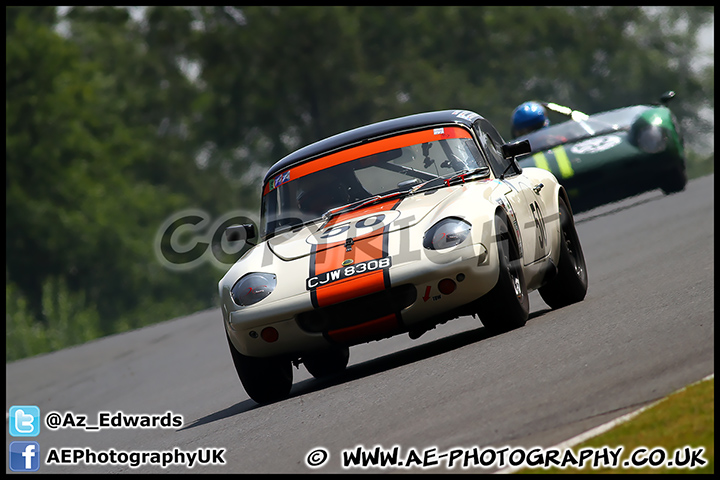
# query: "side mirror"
{"points": [[512, 150], [666, 97], [240, 232]]}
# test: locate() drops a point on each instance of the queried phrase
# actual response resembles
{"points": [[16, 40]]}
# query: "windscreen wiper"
{"points": [[448, 180], [452, 178], [360, 204]]}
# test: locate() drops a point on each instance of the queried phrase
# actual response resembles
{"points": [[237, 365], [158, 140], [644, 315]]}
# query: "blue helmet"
{"points": [[528, 117]]}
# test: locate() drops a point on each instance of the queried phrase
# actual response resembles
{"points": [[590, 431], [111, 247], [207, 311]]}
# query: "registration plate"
{"points": [[347, 272]]}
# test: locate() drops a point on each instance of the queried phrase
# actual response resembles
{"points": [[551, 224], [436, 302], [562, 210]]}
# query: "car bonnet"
{"points": [[369, 224]]}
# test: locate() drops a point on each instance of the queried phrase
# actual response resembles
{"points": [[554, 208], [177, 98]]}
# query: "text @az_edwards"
{"points": [[112, 420]]}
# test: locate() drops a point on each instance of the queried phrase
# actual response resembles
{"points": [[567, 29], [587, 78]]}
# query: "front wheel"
{"points": [[328, 362], [265, 380], [507, 305], [675, 182], [571, 282]]}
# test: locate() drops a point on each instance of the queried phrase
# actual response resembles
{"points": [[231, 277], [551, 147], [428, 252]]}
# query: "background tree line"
{"points": [[114, 122]]}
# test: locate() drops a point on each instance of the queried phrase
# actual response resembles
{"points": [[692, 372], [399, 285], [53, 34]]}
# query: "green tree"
{"points": [[90, 173], [299, 74]]}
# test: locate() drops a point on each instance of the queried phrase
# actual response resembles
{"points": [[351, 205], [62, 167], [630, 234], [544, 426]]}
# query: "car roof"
{"points": [[368, 132]]}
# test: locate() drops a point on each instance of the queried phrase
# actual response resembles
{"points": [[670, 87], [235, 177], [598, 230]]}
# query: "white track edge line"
{"points": [[594, 432]]}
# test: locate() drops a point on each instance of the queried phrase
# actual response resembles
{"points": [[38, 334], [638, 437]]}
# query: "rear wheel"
{"points": [[328, 362], [570, 283], [265, 380], [507, 305]]}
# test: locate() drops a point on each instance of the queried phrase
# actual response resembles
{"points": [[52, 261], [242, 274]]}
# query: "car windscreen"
{"points": [[390, 165], [571, 131]]}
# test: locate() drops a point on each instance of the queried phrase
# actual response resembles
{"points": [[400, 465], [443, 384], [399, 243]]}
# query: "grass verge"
{"points": [[676, 428]]}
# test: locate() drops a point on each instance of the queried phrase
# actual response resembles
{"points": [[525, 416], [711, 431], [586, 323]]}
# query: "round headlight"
{"points": [[252, 288], [446, 233], [651, 139]]}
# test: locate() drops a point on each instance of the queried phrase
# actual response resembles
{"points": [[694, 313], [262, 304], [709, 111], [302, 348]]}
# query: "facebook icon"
{"points": [[24, 456]]}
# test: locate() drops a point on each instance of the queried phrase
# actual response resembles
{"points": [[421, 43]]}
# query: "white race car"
{"points": [[393, 228]]}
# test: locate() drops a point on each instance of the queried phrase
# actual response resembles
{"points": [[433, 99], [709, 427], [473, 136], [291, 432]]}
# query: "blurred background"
{"points": [[117, 118]]}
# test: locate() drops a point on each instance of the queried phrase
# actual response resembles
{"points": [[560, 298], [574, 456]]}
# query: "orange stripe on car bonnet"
{"points": [[330, 257]]}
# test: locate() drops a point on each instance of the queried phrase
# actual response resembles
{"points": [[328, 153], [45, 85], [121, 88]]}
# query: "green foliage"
{"points": [[89, 177], [114, 124], [69, 320], [700, 165], [23, 335], [305, 73]]}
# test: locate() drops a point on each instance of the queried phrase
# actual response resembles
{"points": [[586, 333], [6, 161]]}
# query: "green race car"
{"points": [[611, 155]]}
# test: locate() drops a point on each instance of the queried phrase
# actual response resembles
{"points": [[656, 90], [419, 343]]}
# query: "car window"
{"points": [[491, 148], [496, 158], [394, 164], [416, 164]]}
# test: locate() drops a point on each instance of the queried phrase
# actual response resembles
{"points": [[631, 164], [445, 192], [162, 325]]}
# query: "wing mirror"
{"points": [[666, 97], [512, 150], [240, 232]]}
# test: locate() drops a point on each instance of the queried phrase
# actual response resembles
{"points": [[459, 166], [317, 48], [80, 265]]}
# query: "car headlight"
{"points": [[446, 233], [252, 288], [651, 139]]}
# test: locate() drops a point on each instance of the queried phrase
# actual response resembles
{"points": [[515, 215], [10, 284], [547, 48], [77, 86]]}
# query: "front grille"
{"points": [[358, 310]]}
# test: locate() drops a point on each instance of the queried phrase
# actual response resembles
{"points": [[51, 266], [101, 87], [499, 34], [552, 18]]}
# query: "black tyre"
{"points": [[328, 362], [571, 282], [507, 305], [265, 380], [675, 182]]}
